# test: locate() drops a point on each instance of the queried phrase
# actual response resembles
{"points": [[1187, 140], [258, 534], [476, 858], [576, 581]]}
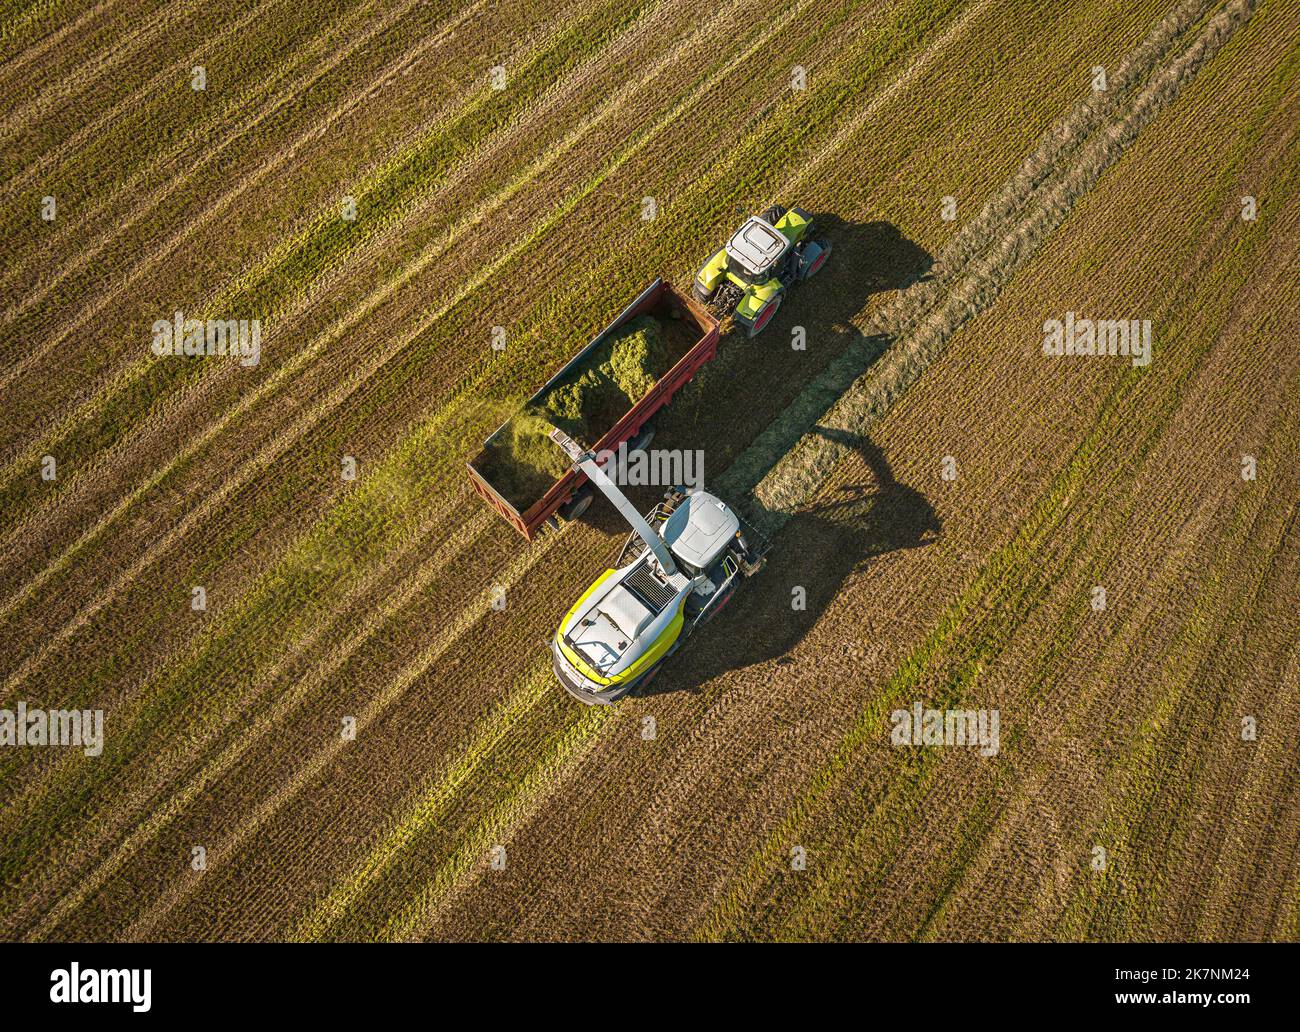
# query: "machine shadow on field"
{"points": [[817, 550], [734, 398]]}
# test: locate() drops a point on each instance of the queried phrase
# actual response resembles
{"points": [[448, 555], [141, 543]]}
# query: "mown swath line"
{"points": [[417, 441], [173, 73], [20, 118], [275, 94], [405, 925], [447, 551], [785, 458], [22, 530], [482, 738], [300, 360], [556, 760], [532, 559], [1161, 91], [1182, 667], [292, 266], [16, 63], [277, 448]]}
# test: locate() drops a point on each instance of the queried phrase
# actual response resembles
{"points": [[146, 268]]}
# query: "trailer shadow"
{"points": [[817, 551]]}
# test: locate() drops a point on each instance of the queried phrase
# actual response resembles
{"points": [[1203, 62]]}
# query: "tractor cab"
{"points": [[748, 277], [756, 250]]}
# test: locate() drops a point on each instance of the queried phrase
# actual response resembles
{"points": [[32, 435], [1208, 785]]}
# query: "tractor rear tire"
{"points": [[774, 214], [822, 251], [764, 317]]}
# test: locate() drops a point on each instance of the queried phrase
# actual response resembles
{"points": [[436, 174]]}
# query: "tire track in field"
{"points": [[402, 63], [478, 740], [96, 66], [240, 124], [1143, 769], [1123, 645], [55, 40], [159, 816], [110, 460], [328, 278], [789, 487], [576, 747], [924, 322], [1068, 921], [975, 286], [125, 376], [303, 357], [1107, 508], [533, 559], [319, 410]]}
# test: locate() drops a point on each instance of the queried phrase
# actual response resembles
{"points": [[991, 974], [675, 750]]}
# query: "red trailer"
{"points": [[697, 345]]}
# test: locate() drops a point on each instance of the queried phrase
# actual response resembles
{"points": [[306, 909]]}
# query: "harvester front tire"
{"points": [[774, 214]]}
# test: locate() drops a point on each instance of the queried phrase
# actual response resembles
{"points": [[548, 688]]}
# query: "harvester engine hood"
{"points": [[627, 620]]}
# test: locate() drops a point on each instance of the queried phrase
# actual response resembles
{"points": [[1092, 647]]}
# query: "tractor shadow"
{"points": [[750, 382], [818, 550]]}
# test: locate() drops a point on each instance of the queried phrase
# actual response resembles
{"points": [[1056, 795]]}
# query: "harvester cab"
{"points": [[678, 567], [748, 278]]}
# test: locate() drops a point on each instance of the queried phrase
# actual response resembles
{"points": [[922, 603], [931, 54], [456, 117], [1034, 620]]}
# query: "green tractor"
{"points": [[748, 278]]}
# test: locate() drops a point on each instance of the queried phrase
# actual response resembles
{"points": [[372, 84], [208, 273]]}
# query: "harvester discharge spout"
{"points": [[586, 461]]}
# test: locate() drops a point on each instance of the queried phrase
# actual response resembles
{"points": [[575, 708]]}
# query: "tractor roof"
{"points": [[757, 245]]}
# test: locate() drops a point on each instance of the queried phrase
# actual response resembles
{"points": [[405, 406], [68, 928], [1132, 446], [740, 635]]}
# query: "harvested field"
{"points": [[361, 717]]}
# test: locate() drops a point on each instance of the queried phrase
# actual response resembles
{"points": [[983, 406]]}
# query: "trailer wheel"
{"points": [[642, 440], [577, 505]]}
